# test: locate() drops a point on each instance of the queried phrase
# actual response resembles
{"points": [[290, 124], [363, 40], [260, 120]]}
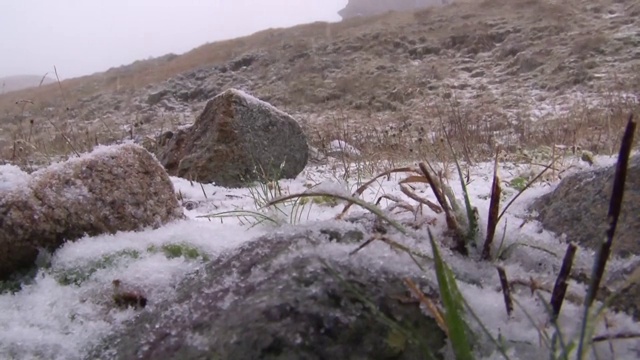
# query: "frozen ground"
{"points": [[68, 307]]}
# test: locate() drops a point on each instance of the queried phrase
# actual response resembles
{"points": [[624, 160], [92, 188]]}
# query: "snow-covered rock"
{"points": [[280, 295], [114, 188]]}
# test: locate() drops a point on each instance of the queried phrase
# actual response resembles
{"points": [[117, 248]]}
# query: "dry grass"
{"points": [[388, 129], [143, 73]]}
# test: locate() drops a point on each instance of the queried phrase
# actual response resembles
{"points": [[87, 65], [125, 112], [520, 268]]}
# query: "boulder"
{"points": [[115, 188], [278, 298], [236, 140], [578, 208], [355, 8]]}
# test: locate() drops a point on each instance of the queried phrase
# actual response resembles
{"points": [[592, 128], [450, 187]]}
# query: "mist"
{"points": [[82, 37]]}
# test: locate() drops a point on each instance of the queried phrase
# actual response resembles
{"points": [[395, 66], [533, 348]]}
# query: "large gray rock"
{"points": [[578, 208], [270, 300], [117, 188], [357, 8], [236, 140]]}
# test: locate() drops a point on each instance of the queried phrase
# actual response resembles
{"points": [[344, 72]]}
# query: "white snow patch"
{"points": [[339, 146], [12, 177]]}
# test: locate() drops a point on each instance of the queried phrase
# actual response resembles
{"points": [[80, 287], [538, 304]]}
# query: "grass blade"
{"points": [[451, 299]]}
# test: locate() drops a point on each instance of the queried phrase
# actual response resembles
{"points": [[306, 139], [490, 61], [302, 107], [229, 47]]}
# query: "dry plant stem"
{"points": [[434, 207], [66, 139], [615, 206], [369, 241], [494, 209], [437, 314], [452, 222], [560, 288], [608, 337], [506, 292], [66, 105], [364, 186]]}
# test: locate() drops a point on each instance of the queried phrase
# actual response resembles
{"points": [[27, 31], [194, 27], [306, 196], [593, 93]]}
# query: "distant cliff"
{"points": [[356, 8], [19, 82]]}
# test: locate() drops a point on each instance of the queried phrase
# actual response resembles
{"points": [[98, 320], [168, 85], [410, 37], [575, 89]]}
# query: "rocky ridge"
{"points": [[355, 8]]}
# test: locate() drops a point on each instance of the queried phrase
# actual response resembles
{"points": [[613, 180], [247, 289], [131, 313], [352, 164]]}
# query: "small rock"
{"points": [[155, 97], [236, 140]]}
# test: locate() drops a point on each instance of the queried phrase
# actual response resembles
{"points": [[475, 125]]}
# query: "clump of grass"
{"points": [[265, 210]]}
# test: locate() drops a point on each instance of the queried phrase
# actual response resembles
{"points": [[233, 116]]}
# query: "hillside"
{"points": [[516, 73], [20, 82]]}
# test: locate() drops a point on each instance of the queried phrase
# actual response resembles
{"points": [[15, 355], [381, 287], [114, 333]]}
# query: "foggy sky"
{"points": [[81, 37]]}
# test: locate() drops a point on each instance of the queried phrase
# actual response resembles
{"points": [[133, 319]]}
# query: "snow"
{"points": [[254, 101], [67, 308], [340, 146], [12, 177]]}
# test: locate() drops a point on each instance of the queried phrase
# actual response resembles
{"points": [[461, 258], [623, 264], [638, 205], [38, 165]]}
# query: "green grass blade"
{"points": [[451, 299], [240, 213]]}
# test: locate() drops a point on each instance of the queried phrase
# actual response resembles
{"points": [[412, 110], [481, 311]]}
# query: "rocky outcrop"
{"points": [[357, 8], [271, 299], [117, 188], [236, 140], [578, 208]]}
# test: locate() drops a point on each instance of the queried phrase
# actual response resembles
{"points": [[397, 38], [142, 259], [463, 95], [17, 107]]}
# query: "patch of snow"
{"points": [[339, 146], [257, 102], [12, 177]]}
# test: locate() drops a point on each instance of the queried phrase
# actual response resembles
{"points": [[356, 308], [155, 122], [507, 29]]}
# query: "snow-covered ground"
{"points": [[69, 306]]}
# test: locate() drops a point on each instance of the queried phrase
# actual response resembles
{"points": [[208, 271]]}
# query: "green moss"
{"points": [[518, 183], [172, 251], [78, 275], [325, 200]]}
